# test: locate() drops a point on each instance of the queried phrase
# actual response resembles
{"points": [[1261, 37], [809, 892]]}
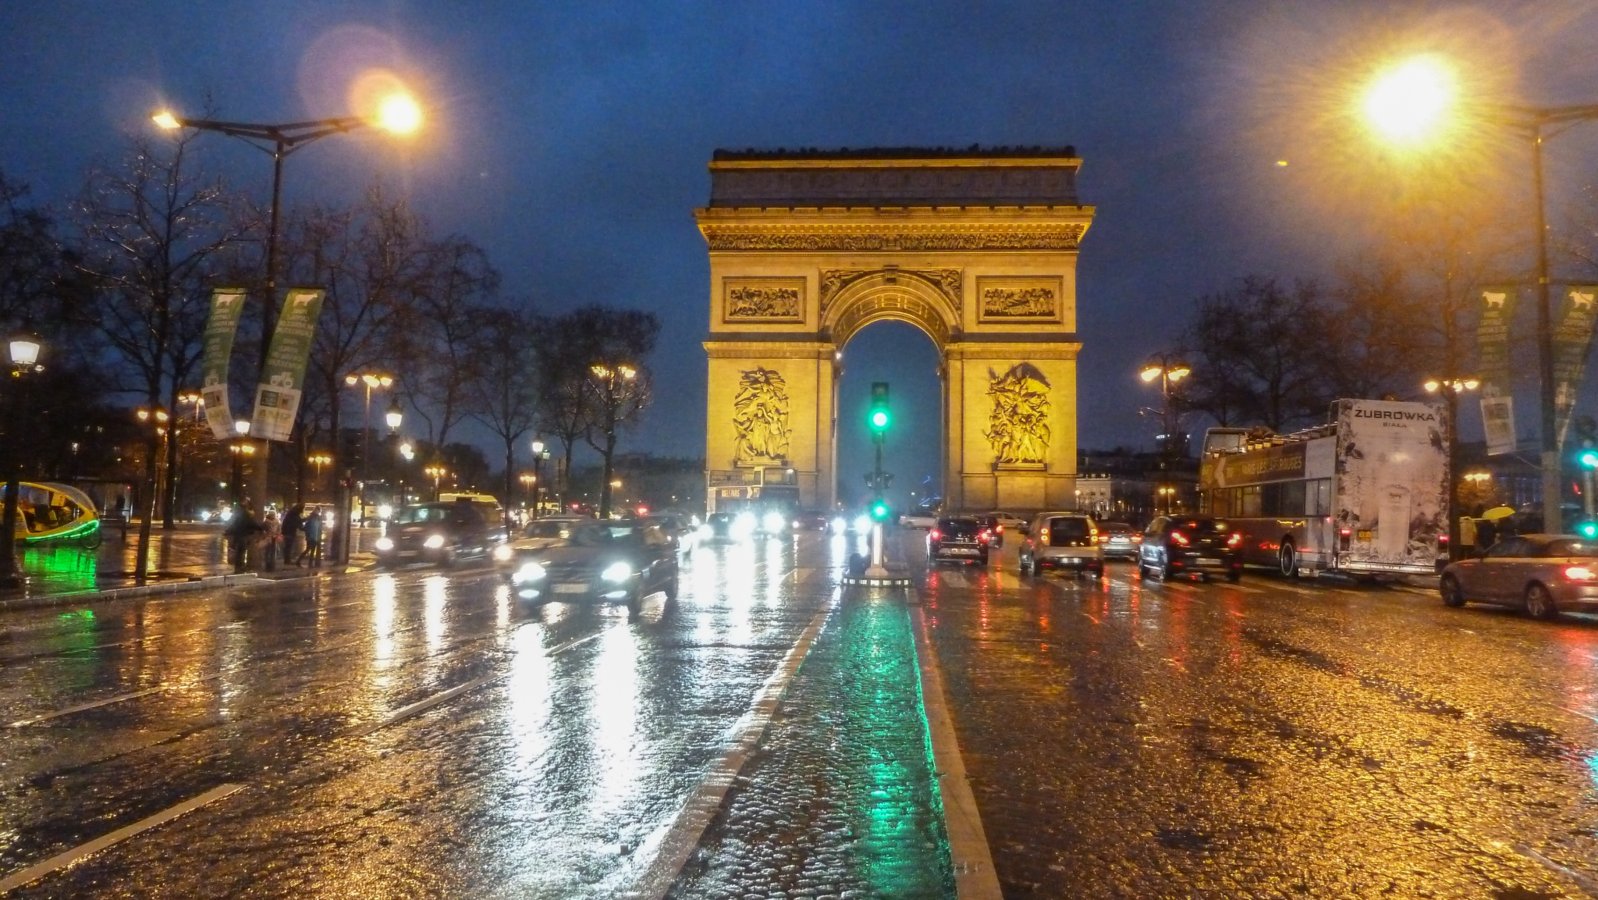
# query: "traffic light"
{"points": [[1588, 459], [879, 417], [879, 510], [1587, 528]]}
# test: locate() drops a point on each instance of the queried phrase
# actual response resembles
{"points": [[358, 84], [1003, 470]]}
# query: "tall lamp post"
{"points": [[614, 382], [1409, 103], [370, 380], [540, 453], [320, 461], [435, 472], [1450, 389], [241, 447], [397, 113], [1168, 371], [24, 355]]}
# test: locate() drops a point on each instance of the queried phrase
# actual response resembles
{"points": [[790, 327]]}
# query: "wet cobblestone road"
{"points": [[1269, 739]]}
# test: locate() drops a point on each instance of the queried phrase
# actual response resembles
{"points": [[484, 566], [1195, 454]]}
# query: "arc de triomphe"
{"points": [[976, 248]]}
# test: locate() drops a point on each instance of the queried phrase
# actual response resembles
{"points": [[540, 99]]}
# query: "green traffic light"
{"points": [[879, 510], [879, 419], [1588, 459], [1588, 529]]}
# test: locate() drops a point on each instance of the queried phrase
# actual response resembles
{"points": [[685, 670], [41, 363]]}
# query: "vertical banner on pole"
{"points": [[226, 306], [1571, 340], [1497, 402], [277, 398]]}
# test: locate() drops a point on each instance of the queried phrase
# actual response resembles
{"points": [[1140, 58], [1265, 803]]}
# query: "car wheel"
{"points": [[1540, 603], [671, 589], [1452, 595], [1142, 568], [1289, 559], [982, 560], [1024, 567], [1234, 577]]}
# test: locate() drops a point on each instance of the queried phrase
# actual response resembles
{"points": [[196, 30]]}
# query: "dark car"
{"points": [[1119, 541], [812, 520], [721, 528], [995, 528], [1190, 545], [680, 528], [438, 533], [1539, 573], [960, 538], [619, 561]]}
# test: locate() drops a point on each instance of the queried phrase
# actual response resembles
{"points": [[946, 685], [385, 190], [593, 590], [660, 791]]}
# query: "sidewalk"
{"points": [[188, 557]]}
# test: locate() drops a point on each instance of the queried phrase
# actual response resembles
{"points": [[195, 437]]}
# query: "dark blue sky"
{"points": [[571, 140]]}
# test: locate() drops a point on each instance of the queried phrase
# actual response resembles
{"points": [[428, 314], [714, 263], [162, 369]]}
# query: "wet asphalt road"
{"points": [[1269, 739], [422, 735]]}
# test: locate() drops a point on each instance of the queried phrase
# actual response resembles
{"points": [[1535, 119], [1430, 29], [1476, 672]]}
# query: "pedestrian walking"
{"points": [[241, 532], [271, 537], [293, 523], [312, 528]]}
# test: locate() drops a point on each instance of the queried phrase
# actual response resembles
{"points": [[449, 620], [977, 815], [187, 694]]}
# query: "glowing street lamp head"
{"points": [[1409, 103], [166, 121], [398, 113]]}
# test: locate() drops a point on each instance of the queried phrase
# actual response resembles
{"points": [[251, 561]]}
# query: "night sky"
{"points": [[571, 140]]}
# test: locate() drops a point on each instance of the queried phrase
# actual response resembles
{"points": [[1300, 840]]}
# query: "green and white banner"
{"points": [[1572, 337], [227, 304], [277, 397], [1492, 339]]}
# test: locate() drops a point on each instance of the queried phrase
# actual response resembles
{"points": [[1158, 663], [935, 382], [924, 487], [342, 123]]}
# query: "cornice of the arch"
{"points": [[928, 299]]}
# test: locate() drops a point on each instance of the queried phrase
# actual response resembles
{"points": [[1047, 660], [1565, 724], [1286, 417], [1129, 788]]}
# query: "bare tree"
{"points": [[503, 391], [438, 334], [153, 228]]}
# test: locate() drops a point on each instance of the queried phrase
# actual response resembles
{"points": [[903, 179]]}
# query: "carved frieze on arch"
{"points": [[926, 298], [760, 417], [1018, 425]]}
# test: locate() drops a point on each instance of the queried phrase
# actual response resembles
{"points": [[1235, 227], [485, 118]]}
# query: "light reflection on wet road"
{"points": [[407, 734], [1269, 739]]}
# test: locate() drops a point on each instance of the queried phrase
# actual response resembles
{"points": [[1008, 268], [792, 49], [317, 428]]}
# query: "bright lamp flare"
{"points": [[399, 113], [1408, 102]]}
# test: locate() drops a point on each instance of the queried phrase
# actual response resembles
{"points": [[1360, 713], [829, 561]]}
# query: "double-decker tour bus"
{"points": [[1365, 494]]}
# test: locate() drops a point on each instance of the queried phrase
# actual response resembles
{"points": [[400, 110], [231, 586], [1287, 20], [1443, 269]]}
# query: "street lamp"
{"points": [[394, 417], [1167, 498], [540, 453], [527, 479], [195, 399], [1412, 100], [370, 380], [1451, 388], [610, 376], [157, 418], [435, 472], [320, 461], [1169, 371], [24, 355], [396, 113], [241, 448]]}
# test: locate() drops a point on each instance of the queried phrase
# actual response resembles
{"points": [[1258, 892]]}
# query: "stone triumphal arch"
{"points": [[976, 248]]}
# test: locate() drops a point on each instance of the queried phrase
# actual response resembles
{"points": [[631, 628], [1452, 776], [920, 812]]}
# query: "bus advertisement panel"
{"points": [[1366, 493]]}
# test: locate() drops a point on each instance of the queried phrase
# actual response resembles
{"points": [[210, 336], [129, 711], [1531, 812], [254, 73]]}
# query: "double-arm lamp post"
{"points": [[1168, 371], [1409, 103], [24, 356], [1451, 388], [397, 113], [540, 453], [614, 382]]}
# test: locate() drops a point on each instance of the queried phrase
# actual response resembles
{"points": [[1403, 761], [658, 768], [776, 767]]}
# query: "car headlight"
{"points": [[503, 553], [616, 572], [384, 544], [530, 572], [385, 511], [774, 522], [744, 525], [839, 525], [862, 524], [434, 542]]}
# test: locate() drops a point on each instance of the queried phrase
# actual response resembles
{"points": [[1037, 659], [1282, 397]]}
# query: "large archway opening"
{"points": [[903, 356]]}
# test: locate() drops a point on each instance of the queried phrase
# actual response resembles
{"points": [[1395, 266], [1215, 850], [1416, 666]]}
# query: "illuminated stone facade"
{"points": [[977, 249]]}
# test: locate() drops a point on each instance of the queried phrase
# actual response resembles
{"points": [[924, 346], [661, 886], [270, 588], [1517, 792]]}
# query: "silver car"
{"points": [[1540, 573], [1062, 540]]}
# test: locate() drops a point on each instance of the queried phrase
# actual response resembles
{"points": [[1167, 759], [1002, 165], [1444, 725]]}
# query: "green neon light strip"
{"points": [[89, 527]]}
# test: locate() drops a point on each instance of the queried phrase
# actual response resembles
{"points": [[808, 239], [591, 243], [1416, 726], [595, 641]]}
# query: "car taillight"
{"points": [[1178, 537], [1579, 573], [1137, 538], [1236, 540], [984, 537], [935, 535], [998, 529]]}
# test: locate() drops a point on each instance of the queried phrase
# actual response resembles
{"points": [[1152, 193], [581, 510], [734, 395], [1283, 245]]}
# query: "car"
{"points": [[812, 520], [611, 561], [440, 533], [1542, 574], [961, 538], [990, 524], [1062, 540], [1119, 540], [682, 530], [1190, 545], [535, 535], [919, 518], [1009, 521], [719, 528]]}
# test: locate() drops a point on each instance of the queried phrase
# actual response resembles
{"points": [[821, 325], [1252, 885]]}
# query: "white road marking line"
{"points": [[67, 858], [95, 704], [678, 841]]}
